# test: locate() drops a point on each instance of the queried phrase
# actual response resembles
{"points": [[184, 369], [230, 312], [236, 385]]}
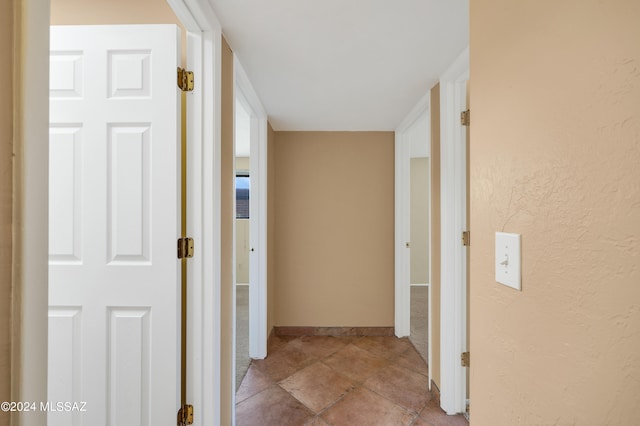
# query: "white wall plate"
{"points": [[508, 260]]}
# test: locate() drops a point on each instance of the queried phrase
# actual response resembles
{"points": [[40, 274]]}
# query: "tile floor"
{"points": [[420, 319], [325, 380], [242, 332]]}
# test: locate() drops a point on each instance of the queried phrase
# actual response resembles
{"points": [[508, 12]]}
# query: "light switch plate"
{"points": [[508, 260]]}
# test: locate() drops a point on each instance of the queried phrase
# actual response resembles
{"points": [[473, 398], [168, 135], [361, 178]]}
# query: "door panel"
{"points": [[114, 284]]}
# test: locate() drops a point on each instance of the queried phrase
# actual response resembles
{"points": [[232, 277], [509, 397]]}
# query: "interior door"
{"points": [[114, 279]]}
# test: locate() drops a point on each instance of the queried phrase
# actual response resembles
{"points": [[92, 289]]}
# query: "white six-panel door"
{"points": [[114, 291]]}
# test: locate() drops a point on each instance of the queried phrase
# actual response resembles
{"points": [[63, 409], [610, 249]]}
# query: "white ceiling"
{"points": [[343, 64]]}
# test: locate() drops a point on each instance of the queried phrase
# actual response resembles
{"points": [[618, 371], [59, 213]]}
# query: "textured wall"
{"points": [[334, 228], [555, 156], [6, 201]]}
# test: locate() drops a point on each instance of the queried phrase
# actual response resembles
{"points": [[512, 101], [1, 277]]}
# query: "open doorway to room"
{"points": [[242, 238], [250, 236], [420, 247], [413, 228]]}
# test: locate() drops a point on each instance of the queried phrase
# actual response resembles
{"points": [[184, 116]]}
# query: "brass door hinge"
{"points": [[466, 238], [185, 80], [185, 248], [185, 415], [465, 359], [465, 118]]}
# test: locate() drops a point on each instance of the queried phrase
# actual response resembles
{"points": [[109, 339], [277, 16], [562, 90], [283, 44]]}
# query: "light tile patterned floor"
{"points": [[242, 332], [420, 319], [335, 381]]}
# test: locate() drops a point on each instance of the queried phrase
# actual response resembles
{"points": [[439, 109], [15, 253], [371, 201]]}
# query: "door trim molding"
{"points": [[453, 222], [204, 142]]}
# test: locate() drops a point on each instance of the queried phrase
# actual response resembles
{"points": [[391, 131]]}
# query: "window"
{"points": [[242, 196]]}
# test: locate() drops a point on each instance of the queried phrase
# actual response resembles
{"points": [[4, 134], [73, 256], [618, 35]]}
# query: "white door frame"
{"points": [[204, 58], [29, 378], [453, 221], [403, 224], [247, 96]]}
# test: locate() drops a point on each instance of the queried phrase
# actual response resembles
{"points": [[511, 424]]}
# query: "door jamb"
{"points": [[204, 57], [29, 377], [453, 222]]}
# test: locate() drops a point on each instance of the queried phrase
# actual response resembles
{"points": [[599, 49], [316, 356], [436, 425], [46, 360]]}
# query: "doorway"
{"points": [[242, 140], [420, 257], [454, 201], [451, 318], [250, 233], [413, 224]]}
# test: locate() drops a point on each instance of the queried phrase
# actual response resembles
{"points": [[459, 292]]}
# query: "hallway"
{"points": [[326, 380]]}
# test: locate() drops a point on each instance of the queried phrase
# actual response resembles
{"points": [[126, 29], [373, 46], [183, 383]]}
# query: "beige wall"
{"points": [[242, 163], [419, 220], [70, 12], [6, 201], [227, 218], [242, 236], [334, 228], [435, 234], [271, 228], [242, 251], [555, 156]]}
